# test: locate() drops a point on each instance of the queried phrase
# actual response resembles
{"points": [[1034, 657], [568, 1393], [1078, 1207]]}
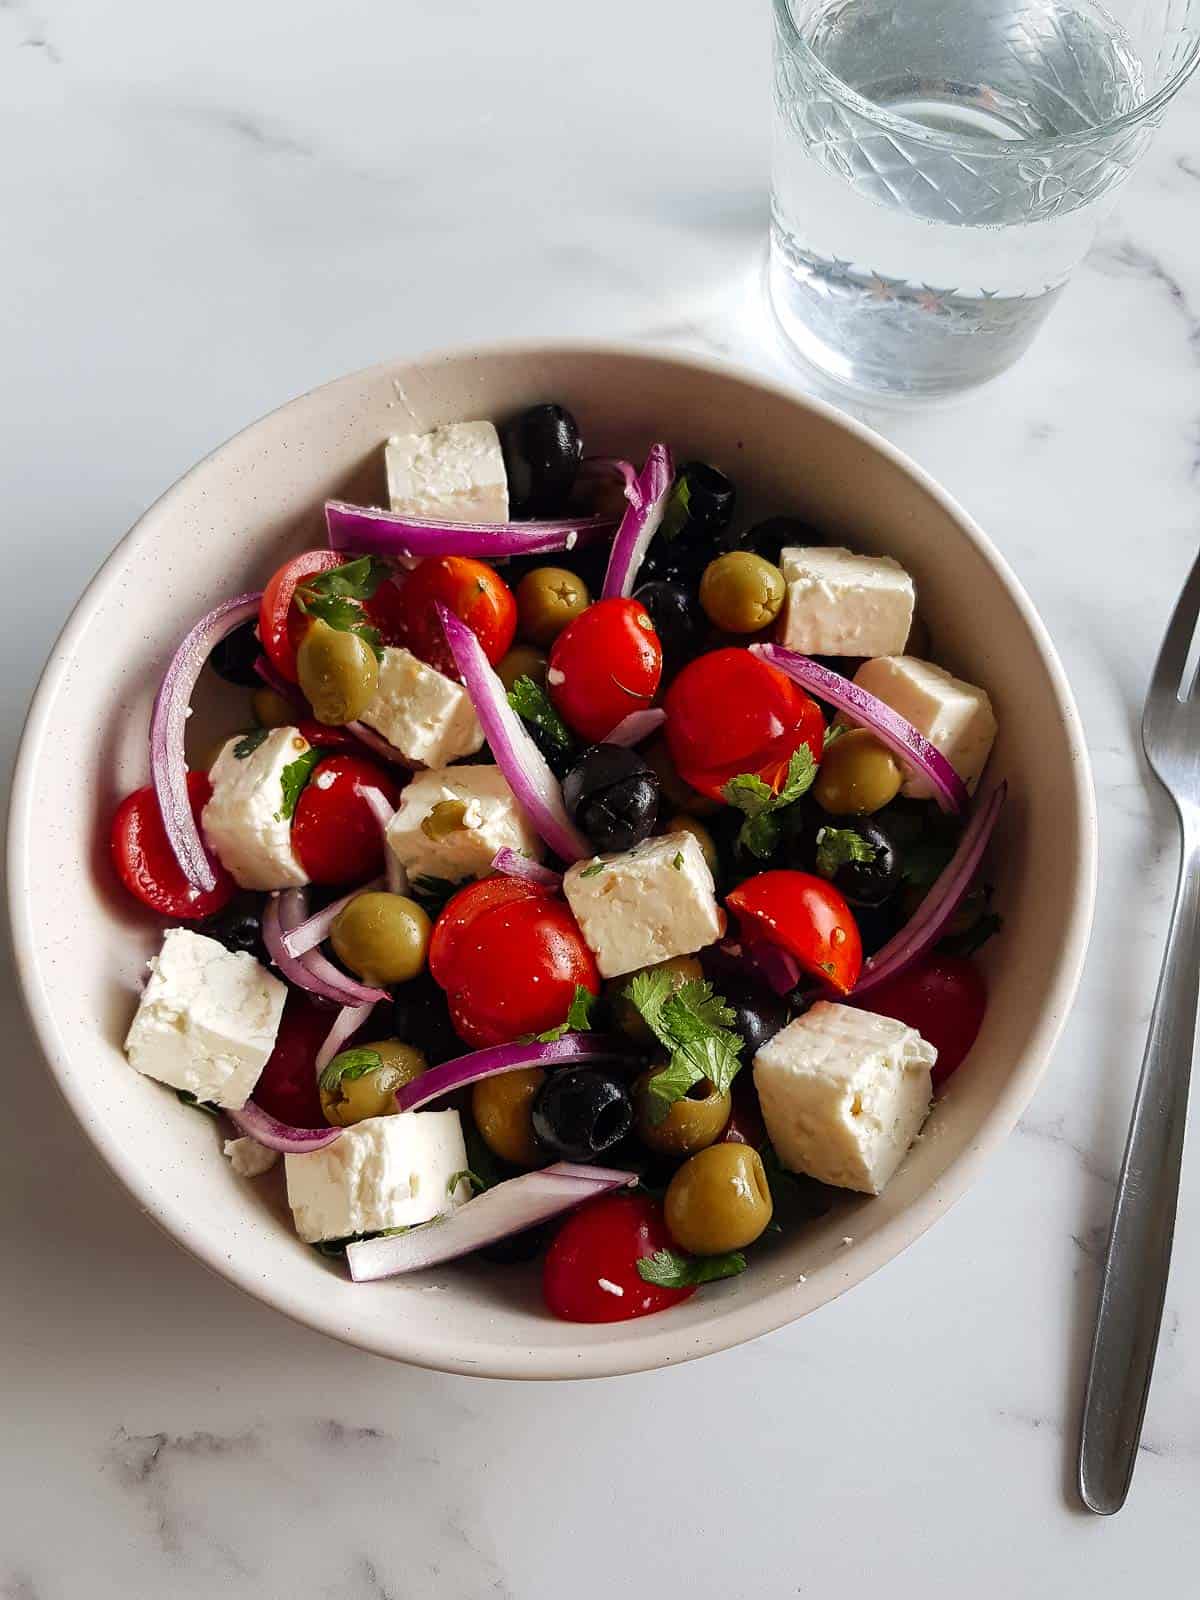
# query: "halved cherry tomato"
{"points": [[336, 836], [147, 865], [473, 591], [808, 917], [729, 713], [287, 1088], [279, 623], [605, 664], [385, 610], [944, 999], [590, 1272], [508, 956], [324, 736]]}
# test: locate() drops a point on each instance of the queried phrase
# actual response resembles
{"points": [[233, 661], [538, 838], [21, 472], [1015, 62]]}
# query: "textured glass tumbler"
{"points": [[941, 166]]}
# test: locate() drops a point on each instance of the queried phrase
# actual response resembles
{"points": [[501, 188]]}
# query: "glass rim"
{"points": [[999, 149]]}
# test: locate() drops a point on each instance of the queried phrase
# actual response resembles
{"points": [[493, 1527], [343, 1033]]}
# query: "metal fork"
{"points": [[1134, 1285]]}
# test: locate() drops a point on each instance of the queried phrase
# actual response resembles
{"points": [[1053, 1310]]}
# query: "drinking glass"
{"points": [[940, 166]]}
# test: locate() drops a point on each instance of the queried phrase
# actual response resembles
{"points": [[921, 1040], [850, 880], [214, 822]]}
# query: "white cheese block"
{"points": [[842, 604], [492, 820], [843, 1094], [953, 715], [386, 1172], [248, 1158], [421, 713], [645, 905], [454, 474], [245, 820], [207, 1019]]}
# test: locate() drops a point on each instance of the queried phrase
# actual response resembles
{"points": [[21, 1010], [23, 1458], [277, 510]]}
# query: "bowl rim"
{"points": [[781, 1305]]}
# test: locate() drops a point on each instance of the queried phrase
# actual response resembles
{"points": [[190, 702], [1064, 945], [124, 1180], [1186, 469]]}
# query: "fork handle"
{"points": [[1134, 1285]]}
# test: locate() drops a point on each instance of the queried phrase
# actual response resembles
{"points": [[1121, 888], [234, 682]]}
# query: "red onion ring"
{"points": [[641, 522], [497, 1058]]}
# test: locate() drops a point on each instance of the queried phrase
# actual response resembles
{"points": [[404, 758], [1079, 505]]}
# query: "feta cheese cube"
{"points": [[246, 820], [953, 715], [421, 713], [491, 820], [843, 1094], [386, 1172], [454, 474], [248, 1158], [842, 604], [645, 905], [207, 1019]]}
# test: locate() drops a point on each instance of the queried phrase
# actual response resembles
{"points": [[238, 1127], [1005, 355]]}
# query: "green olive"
{"points": [[383, 938], [677, 793], [741, 593], [502, 1106], [271, 710], [691, 1124], [373, 1094], [443, 819], [523, 661], [708, 849], [337, 671], [858, 775], [547, 599], [718, 1200], [680, 969]]}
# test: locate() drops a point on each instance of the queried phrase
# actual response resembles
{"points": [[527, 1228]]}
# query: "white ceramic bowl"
{"points": [[81, 944]]}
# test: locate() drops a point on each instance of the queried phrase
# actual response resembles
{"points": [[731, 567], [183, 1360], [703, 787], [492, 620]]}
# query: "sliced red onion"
{"points": [[345, 1025], [168, 766], [508, 1208], [311, 971], [778, 967], [291, 692], [519, 759], [258, 1124], [376, 743], [939, 905], [497, 1058], [367, 530], [384, 811], [612, 467], [888, 726], [640, 523], [514, 865], [314, 930], [638, 725]]}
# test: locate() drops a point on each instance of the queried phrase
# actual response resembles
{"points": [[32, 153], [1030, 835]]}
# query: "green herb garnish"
{"points": [[187, 1098], [834, 732], [590, 872], [354, 1063], [551, 734], [677, 861], [292, 780], [692, 1024], [578, 1019], [672, 1270], [836, 847], [336, 597], [759, 834], [679, 509], [249, 743]]}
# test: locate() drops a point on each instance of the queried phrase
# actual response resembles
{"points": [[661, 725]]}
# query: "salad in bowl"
{"points": [[595, 875]]}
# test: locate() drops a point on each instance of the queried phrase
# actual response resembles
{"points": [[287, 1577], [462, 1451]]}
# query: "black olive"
{"points": [[677, 618], [864, 883], [239, 927], [767, 539], [758, 1014], [542, 451], [878, 924], [698, 513], [612, 795], [581, 1112], [234, 657], [420, 1018]]}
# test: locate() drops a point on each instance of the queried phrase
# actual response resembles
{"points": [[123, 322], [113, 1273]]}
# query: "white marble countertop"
{"points": [[208, 209]]}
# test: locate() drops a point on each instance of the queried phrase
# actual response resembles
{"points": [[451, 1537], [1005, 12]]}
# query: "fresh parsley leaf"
{"points": [[670, 1269], [692, 1024], [550, 733], [679, 509], [696, 997], [759, 834], [347, 617], [801, 774], [590, 872], [484, 1164], [357, 580], [749, 793], [187, 1098], [668, 1084], [354, 1063], [579, 1017], [836, 847], [431, 893], [677, 861], [647, 992], [249, 743], [973, 938], [834, 732], [465, 1176], [292, 780]]}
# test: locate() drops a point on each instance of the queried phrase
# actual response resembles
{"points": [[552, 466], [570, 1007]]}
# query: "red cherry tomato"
{"points": [[605, 664], [287, 1088], [509, 956], [385, 611], [335, 834], [279, 623], [729, 713], [590, 1272], [944, 999], [147, 865], [808, 917], [473, 591]]}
